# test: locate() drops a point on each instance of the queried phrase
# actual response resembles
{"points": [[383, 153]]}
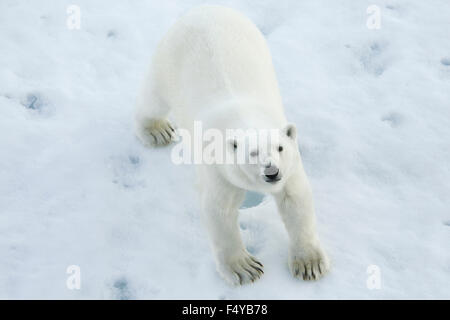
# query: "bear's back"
{"points": [[211, 55]]}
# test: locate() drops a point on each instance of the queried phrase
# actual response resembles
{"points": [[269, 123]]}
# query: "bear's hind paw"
{"points": [[156, 132]]}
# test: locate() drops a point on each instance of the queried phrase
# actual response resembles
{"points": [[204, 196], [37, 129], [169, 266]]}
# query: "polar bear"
{"points": [[214, 66]]}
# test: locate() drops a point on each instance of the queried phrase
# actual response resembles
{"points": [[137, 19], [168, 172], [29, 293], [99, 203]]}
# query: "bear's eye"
{"points": [[254, 153], [280, 148]]}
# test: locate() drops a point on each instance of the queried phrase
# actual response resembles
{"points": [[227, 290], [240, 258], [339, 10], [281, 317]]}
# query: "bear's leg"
{"points": [[152, 126], [220, 203], [306, 256]]}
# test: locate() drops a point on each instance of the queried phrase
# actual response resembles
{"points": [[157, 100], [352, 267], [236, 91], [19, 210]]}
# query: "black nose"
{"points": [[271, 173]]}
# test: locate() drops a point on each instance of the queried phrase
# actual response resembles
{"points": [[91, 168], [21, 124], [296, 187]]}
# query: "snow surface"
{"points": [[76, 187]]}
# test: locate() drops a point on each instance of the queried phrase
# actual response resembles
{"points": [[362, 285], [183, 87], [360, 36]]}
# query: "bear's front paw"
{"points": [[308, 261], [240, 269]]}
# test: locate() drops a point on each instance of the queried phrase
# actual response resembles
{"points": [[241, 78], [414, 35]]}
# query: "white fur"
{"points": [[214, 66]]}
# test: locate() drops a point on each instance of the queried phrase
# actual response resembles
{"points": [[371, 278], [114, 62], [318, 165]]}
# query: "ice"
{"points": [[77, 188]]}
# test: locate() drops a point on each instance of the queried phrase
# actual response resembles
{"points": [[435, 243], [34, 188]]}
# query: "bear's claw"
{"points": [[309, 263], [241, 270], [159, 131]]}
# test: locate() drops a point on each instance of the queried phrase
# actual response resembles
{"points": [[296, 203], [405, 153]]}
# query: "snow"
{"points": [[76, 187]]}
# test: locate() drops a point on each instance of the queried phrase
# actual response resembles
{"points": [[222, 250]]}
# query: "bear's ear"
{"points": [[291, 131]]}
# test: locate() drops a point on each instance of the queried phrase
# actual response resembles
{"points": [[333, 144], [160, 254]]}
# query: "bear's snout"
{"points": [[271, 174]]}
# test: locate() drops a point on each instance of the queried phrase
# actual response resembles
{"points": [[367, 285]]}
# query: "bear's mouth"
{"points": [[272, 181]]}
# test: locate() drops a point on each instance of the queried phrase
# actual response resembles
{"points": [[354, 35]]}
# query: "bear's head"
{"points": [[262, 159]]}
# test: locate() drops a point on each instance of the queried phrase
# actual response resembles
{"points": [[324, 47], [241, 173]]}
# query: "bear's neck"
{"points": [[243, 114]]}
